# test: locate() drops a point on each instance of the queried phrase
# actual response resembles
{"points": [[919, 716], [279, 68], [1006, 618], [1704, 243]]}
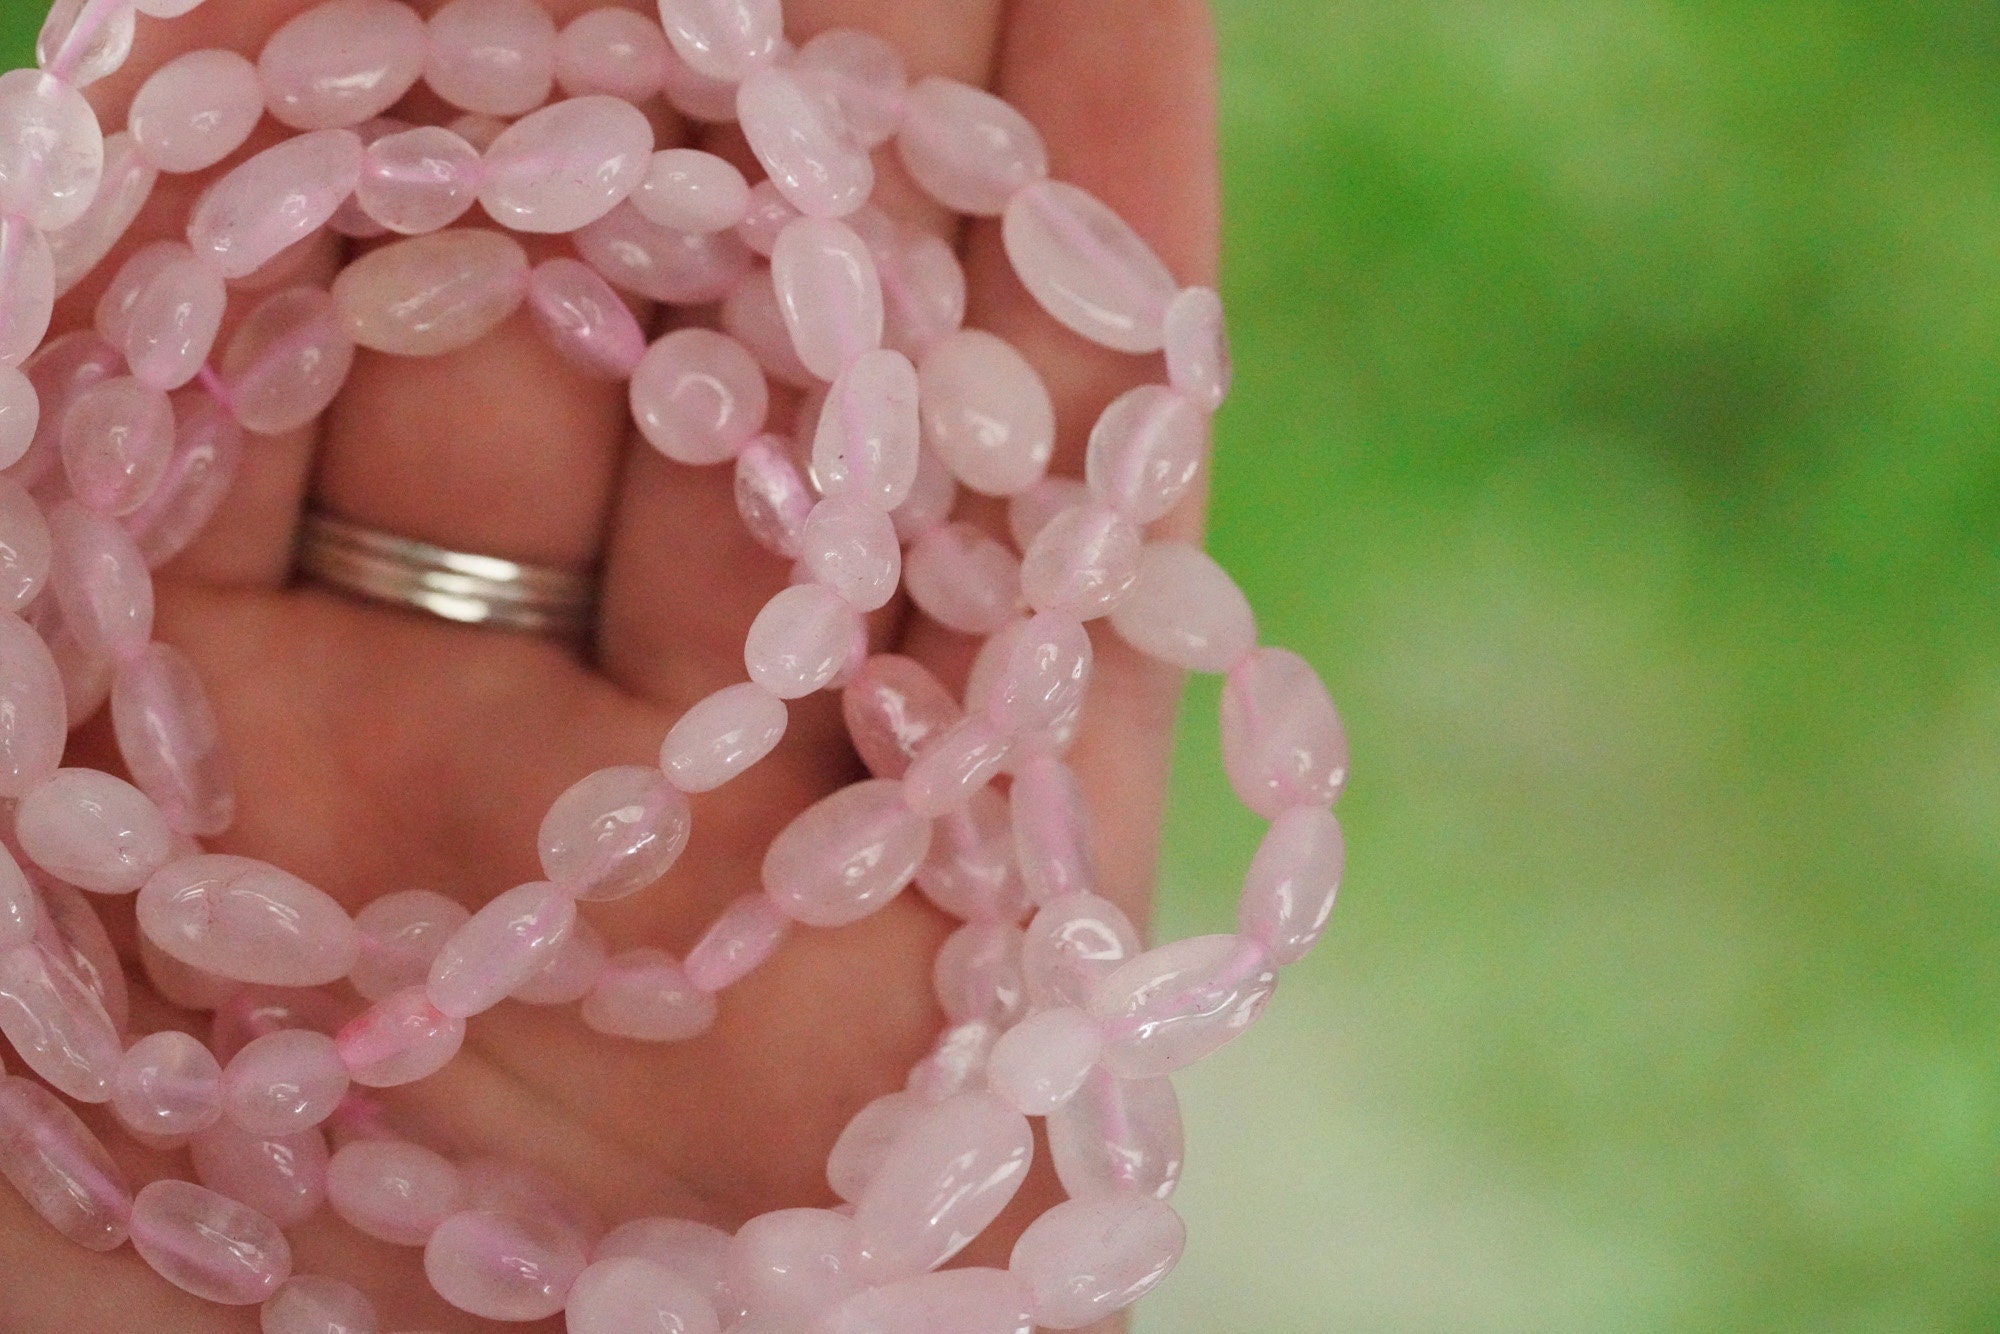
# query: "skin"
{"points": [[379, 750]]}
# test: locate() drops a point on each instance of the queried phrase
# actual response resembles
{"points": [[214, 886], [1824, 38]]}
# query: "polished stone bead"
{"points": [[282, 1177], [570, 973], [1118, 1136], [93, 830], [33, 717], [893, 707], [611, 50], [1173, 1005], [1041, 1063], [923, 282], [646, 994], [117, 439], [957, 766], [316, 1304], [692, 191], [634, 1295], [502, 1266], [1185, 610], [772, 495], [947, 1176], [799, 139], [1073, 943], [868, 442], [1289, 892], [1085, 1260], [392, 1190], [1087, 267], [1283, 744], [83, 41], [956, 1301], [698, 397], [56, 1023], [968, 149], [209, 1245], [400, 934], [1082, 563], [805, 639], [567, 165], [584, 319], [862, 76], [1145, 452], [977, 975], [418, 180], [723, 39], [196, 110], [169, 740], [693, 1250], [20, 415], [791, 1266], [25, 549], [27, 288], [495, 57], [970, 871], [76, 250], [721, 736], [1051, 830], [59, 1168], [208, 447], [830, 293], [341, 63], [501, 946], [965, 579], [747, 933], [1197, 348], [847, 855], [850, 546], [51, 151], [865, 1141], [286, 362], [284, 1082], [274, 200], [986, 412], [639, 256], [429, 295], [614, 832], [248, 920], [399, 1039], [168, 1085]]}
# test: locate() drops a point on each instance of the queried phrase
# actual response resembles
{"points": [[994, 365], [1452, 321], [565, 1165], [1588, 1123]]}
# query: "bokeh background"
{"points": [[1616, 428]]}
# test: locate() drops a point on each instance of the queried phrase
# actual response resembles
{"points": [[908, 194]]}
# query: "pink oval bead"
{"points": [[1197, 348], [692, 191], [867, 441], [637, 1296], [82, 42], [1035, 676], [1145, 452], [398, 1040], [766, 215], [850, 546], [113, 316], [970, 872], [1087, 267], [100, 581], [196, 110], [1075, 942], [247, 920], [933, 496], [400, 934], [611, 51], [693, 1250], [893, 707], [286, 361], [51, 151], [751, 316], [117, 439], [747, 933], [862, 76], [284, 1082], [791, 1265], [1282, 742], [167, 1085], [639, 256], [33, 717], [801, 143], [964, 579], [503, 945], [168, 738], [274, 200], [315, 1304], [614, 832], [958, 765], [57, 1024], [502, 1266], [857, 1155], [567, 165], [803, 640], [721, 736], [956, 1301], [208, 447], [986, 412], [76, 940], [429, 295], [847, 855], [646, 995], [969, 150], [1041, 1063], [1118, 1137], [946, 1177], [570, 974], [723, 39], [1082, 563], [830, 293], [1051, 830], [698, 397], [93, 830], [282, 1177], [209, 1245], [174, 320], [1085, 1260], [20, 415], [584, 319], [59, 1168], [977, 975], [496, 57], [27, 289], [1185, 610], [418, 181], [341, 63], [1173, 1005], [772, 497], [79, 248], [923, 282], [1289, 893], [392, 1190], [25, 546]]}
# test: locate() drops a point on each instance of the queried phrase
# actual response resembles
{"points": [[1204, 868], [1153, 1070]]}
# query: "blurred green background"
{"points": [[1616, 429]]}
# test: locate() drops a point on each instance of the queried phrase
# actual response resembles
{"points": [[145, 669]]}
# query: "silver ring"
{"points": [[454, 585]]}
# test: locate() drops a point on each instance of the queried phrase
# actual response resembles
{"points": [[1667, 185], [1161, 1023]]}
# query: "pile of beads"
{"points": [[118, 443]]}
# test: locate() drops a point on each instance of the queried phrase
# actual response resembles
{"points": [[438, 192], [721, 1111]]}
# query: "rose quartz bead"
{"points": [[27, 288], [1083, 562], [639, 256], [1087, 267], [970, 872], [167, 1085], [923, 283], [721, 736], [847, 855], [1051, 830], [723, 39], [418, 181], [693, 1250], [82, 41], [747, 933], [584, 320], [430, 295], [196, 110], [1035, 676], [933, 496], [51, 151], [986, 412], [977, 975], [496, 57], [400, 934], [946, 1177], [1185, 610], [253, 1012], [867, 442], [33, 717], [1289, 893], [20, 415], [247, 920], [315, 1304], [1197, 348], [792, 1265], [274, 200], [286, 361], [772, 496], [174, 320], [862, 76], [850, 546], [956, 1064], [57, 1024], [614, 832], [567, 165], [20, 910], [625, 1296], [85, 670], [750, 315], [957, 1301], [208, 446], [569, 975], [1145, 452], [698, 396], [1173, 1005], [1043, 1061], [1118, 1136], [612, 51], [113, 316], [1085, 1260], [209, 1245], [503, 945], [59, 1168], [1074, 943], [692, 191], [799, 139], [398, 1040], [857, 1155], [947, 774], [766, 214], [341, 63], [964, 579], [116, 441], [168, 738], [284, 1082], [830, 293], [282, 1177], [1282, 742], [129, 178], [93, 830], [392, 1190], [803, 640], [697, 96], [24, 546], [502, 1266], [76, 940], [969, 150], [893, 708]]}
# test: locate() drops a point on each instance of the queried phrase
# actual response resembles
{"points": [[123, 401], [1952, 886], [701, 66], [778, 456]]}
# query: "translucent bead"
{"points": [[1082, 562], [85, 671], [1035, 675], [614, 832], [956, 1064], [1145, 452], [20, 415], [101, 580], [168, 738], [850, 547], [970, 872], [829, 292], [60, 373], [747, 933], [1289, 892], [496, 57], [27, 286], [1185, 610], [429, 295], [1086, 1260], [957, 1301], [341, 63], [209, 1245], [766, 214], [639, 256], [805, 639], [583, 319], [116, 441], [167, 1085], [792, 1265], [247, 920], [868, 442], [570, 973], [865, 1141], [1051, 830], [398, 1040], [723, 39], [282, 1177], [286, 361], [986, 412], [923, 283], [847, 855], [1041, 1063], [969, 150], [862, 76], [692, 191], [946, 1177], [695, 1251], [612, 51], [645, 994], [567, 165], [502, 1266], [113, 315], [1197, 348], [933, 496], [315, 1304], [698, 397], [721, 736], [1118, 1137], [620, 1296], [92, 830], [394, 1191], [174, 320], [51, 151], [772, 496], [750, 315], [1087, 267], [196, 110], [977, 975], [800, 141], [57, 1024], [418, 181], [208, 446], [83, 41], [128, 182], [20, 910], [893, 707], [274, 200], [33, 717], [1282, 742], [1074, 943], [284, 1082], [956, 766], [59, 1168], [1171, 1006], [503, 945], [964, 579], [24, 546]]}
